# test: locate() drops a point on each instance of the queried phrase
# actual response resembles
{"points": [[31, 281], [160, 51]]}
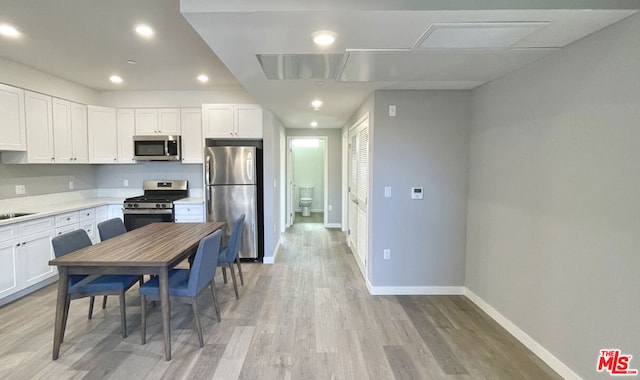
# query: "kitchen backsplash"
{"points": [[44, 179]]}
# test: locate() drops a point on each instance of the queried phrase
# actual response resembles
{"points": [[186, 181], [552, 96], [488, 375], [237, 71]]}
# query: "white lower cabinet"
{"points": [[115, 211], [189, 212], [24, 258]]}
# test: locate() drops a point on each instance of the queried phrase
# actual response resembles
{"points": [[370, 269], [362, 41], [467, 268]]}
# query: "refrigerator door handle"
{"points": [[250, 167], [209, 202], [207, 175]]}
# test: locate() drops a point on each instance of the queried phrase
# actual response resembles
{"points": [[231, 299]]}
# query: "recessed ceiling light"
{"points": [[115, 79], [203, 78], [317, 103], [131, 62], [144, 30], [9, 31], [323, 37], [314, 124]]}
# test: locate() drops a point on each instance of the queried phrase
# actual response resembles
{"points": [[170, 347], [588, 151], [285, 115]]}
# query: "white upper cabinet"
{"points": [[126, 130], [79, 133], [192, 142], [70, 132], [230, 121], [157, 121], [39, 121], [103, 136], [12, 123]]}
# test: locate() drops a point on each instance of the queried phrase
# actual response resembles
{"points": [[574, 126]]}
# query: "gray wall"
{"points": [[554, 198], [273, 134], [44, 179], [334, 167], [112, 176], [425, 145]]}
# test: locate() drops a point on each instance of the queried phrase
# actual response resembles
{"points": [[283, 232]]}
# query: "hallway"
{"points": [[308, 316]]}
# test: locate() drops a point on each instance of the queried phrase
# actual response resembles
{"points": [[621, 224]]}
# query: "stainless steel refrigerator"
{"points": [[231, 186]]}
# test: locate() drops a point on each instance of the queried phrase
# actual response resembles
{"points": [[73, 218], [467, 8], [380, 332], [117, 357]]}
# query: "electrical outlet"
{"points": [[387, 192], [392, 111], [125, 183], [20, 189], [71, 185], [330, 207], [387, 254]]}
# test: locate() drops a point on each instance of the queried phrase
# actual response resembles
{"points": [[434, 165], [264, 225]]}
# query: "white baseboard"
{"points": [[333, 225], [523, 337], [414, 290], [272, 259], [268, 260]]}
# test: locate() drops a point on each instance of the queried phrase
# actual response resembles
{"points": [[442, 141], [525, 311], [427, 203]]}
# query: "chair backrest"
{"points": [[111, 228], [235, 241], [70, 242], [204, 265]]}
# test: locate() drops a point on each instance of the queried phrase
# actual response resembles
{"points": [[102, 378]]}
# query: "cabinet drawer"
{"points": [[189, 219], [190, 209], [36, 226], [66, 218], [87, 214], [8, 232], [67, 228]]}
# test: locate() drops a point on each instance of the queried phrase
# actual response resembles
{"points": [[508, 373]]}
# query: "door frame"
{"points": [[290, 209], [364, 266]]}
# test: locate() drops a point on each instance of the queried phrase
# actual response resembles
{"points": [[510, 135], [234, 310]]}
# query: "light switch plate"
{"points": [[20, 189], [392, 111], [387, 192]]}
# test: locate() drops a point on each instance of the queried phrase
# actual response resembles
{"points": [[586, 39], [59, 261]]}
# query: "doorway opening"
{"points": [[306, 179]]}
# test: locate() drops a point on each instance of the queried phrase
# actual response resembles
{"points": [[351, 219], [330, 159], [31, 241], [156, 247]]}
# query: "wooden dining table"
{"points": [[152, 249]]}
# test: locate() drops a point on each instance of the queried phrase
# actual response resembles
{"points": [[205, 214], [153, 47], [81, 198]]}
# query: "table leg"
{"points": [[61, 308], [166, 310]]}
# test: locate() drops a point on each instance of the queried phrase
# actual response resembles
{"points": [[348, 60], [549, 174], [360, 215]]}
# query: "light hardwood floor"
{"points": [[309, 316]]}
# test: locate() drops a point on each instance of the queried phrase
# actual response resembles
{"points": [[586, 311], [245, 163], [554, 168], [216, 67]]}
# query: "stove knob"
{"points": [[164, 205], [136, 205], [157, 205]]}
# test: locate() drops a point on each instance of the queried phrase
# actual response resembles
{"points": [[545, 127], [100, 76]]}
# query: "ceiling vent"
{"points": [[476, 35]]}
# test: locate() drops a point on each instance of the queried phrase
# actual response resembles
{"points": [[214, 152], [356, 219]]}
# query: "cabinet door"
{"points": [[9, 267], [248, 121], [90, 227], [103, 138], [126, 131], [146, 121], [192, 141], [189, 213], [218, 120], [39, 122], [115, 211], [12, 124], [35, 253], [62, 131], [79, 143], [169, 121]]}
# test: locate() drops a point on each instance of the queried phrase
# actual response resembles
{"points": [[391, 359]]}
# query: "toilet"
{"points": [[306, 198]]}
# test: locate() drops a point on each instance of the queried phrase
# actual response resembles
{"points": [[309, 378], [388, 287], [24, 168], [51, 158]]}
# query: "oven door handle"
{"points": [[128, 211]]}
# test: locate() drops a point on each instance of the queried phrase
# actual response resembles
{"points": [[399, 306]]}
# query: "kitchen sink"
{"points": [[14, 215]]}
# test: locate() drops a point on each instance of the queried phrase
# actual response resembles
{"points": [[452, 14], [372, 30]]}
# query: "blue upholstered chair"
{"points": [[188, 283], [94, 285], [229, 254], [108, 229], [111, 228]]}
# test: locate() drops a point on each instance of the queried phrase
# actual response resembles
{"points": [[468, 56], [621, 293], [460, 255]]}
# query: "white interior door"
{"points": [[359, 191], [291, 214]]}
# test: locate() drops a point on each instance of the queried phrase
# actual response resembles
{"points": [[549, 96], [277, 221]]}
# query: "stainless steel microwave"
{"points": [[157, 148]]}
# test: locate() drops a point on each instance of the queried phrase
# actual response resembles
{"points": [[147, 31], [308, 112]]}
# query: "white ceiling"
{"points": [[399, 44]]}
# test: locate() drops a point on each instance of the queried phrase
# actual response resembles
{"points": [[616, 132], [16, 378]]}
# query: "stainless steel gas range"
{"points": [[156, 205]]}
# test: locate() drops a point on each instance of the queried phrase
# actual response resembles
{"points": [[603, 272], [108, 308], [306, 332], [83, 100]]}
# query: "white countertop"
{"points": [[42, 211], [190, 200]]}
